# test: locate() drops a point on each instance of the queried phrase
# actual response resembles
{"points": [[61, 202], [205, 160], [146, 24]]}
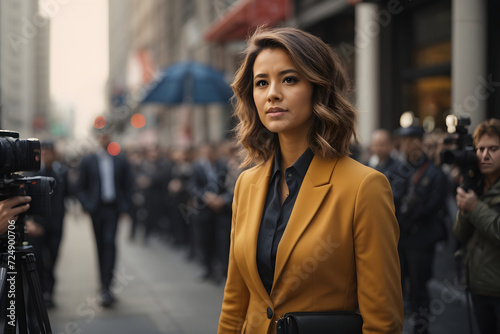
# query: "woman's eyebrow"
{"points": [[265, 75]]}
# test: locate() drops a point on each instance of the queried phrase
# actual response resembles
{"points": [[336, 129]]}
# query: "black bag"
{"points": [[341, 322]]}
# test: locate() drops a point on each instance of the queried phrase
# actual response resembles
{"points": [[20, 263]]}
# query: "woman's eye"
{"points": [[290, 80], [260, 83]]}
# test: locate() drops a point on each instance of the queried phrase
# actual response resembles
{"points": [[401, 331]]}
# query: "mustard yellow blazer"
{"points": [[338, 251]]}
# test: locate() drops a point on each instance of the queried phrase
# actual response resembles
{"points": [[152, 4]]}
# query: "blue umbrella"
{"points": [[188, 82]]}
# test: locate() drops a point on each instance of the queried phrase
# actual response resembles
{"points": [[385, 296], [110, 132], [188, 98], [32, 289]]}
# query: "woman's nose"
{"points": [[274, 92]]}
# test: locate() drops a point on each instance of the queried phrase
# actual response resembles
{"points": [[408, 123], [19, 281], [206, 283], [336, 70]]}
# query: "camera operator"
{"points": [[11, 208], [477, 226]]}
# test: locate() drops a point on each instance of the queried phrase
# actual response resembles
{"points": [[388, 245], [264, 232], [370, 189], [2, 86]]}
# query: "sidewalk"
{"points": [[157, 291], [447, 312]]}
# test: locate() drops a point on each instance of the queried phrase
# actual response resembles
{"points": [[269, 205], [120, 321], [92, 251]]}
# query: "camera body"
{"points": [[464, 155], [23, 155]]}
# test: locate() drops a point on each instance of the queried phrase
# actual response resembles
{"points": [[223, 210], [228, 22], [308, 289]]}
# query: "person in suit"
{"points": [[210, 223], [422, 217], [396, 170], [45, 233], [312, 229], [104, 184]]}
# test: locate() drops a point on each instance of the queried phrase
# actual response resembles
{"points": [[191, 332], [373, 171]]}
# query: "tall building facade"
{"points": [[149, 36], [24, 68]]}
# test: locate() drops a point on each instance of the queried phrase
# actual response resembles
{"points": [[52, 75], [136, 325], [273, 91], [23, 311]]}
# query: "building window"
{"points": [[426, 67]]}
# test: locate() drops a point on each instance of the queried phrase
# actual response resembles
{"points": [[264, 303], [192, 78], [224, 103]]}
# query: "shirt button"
{"points": [[269, 313], [290, 175]]}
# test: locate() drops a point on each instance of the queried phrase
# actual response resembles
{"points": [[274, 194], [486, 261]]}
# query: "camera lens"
{"points": [[7, 155], [29, 155], [18, 154]]}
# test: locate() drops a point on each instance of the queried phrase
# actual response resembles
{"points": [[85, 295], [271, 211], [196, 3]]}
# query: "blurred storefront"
{"points": [[430, 57]]}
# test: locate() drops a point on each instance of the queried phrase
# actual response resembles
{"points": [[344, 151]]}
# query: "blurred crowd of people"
{"points": [[183, 196], [438, 180], [421, 189]]}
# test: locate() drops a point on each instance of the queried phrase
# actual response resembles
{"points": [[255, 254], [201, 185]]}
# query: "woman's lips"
{"points": [[275, 112]]}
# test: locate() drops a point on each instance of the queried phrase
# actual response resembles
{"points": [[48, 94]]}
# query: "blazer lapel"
{"points": [[314, 188], [257, 197]]}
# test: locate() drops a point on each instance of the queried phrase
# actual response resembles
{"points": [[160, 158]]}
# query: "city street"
{"points": [[158, 291]]}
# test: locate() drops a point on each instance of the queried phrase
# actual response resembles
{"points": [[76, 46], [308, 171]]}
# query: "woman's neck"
{"points": [[291, 150]]}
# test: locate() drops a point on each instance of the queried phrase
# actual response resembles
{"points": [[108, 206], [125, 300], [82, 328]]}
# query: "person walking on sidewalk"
{"points": [[477, 226], [104, 191], [312, 229]]}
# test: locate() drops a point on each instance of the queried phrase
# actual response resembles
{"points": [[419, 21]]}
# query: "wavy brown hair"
{"points": [[489, 127], [334, 116]]}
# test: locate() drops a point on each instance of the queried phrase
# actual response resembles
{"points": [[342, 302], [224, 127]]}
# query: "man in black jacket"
{"points": [[396, 170], [45, 233], [212, 221], [104, 185], [421, 219]]}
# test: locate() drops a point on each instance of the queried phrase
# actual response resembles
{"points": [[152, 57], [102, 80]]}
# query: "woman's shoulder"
{"points": [[355, 167], [253, 174], [353, 174]]}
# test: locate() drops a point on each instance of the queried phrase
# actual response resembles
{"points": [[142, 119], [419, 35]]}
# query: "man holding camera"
{"points": [[478, 227], [11, 208]]}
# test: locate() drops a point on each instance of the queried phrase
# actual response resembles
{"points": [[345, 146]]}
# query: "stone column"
{"points": [[471, 85], [367, 30]]}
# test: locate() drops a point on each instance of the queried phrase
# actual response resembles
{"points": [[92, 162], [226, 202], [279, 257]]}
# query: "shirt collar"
{"points": [[301, 165], [102, 153]]}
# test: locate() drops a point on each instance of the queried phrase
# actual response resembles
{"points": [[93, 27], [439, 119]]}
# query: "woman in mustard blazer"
{"points": [[312, 229]]}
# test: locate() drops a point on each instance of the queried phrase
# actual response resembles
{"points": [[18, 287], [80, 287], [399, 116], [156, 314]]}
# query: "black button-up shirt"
{"points": [[276, 216]]}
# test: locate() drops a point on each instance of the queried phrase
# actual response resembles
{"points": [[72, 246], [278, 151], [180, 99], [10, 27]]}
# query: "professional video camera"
{"points": [[23, 155], [17, 261], [464, 155]]}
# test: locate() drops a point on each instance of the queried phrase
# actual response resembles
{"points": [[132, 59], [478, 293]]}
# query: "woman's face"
{"points": [[488, 154], [283, 97]]}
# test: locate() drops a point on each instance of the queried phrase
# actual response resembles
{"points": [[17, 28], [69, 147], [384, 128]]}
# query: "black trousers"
{"points": [[46, 250], [105, 223], [487, 312], [416, 270], [211, 236]]}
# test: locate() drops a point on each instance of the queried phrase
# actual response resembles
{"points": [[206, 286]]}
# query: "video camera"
{"points": [[23, 155], [464, 155]]}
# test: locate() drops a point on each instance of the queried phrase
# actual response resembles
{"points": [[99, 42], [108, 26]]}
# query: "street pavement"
{"points": [[447, 312], [159, 292]]}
